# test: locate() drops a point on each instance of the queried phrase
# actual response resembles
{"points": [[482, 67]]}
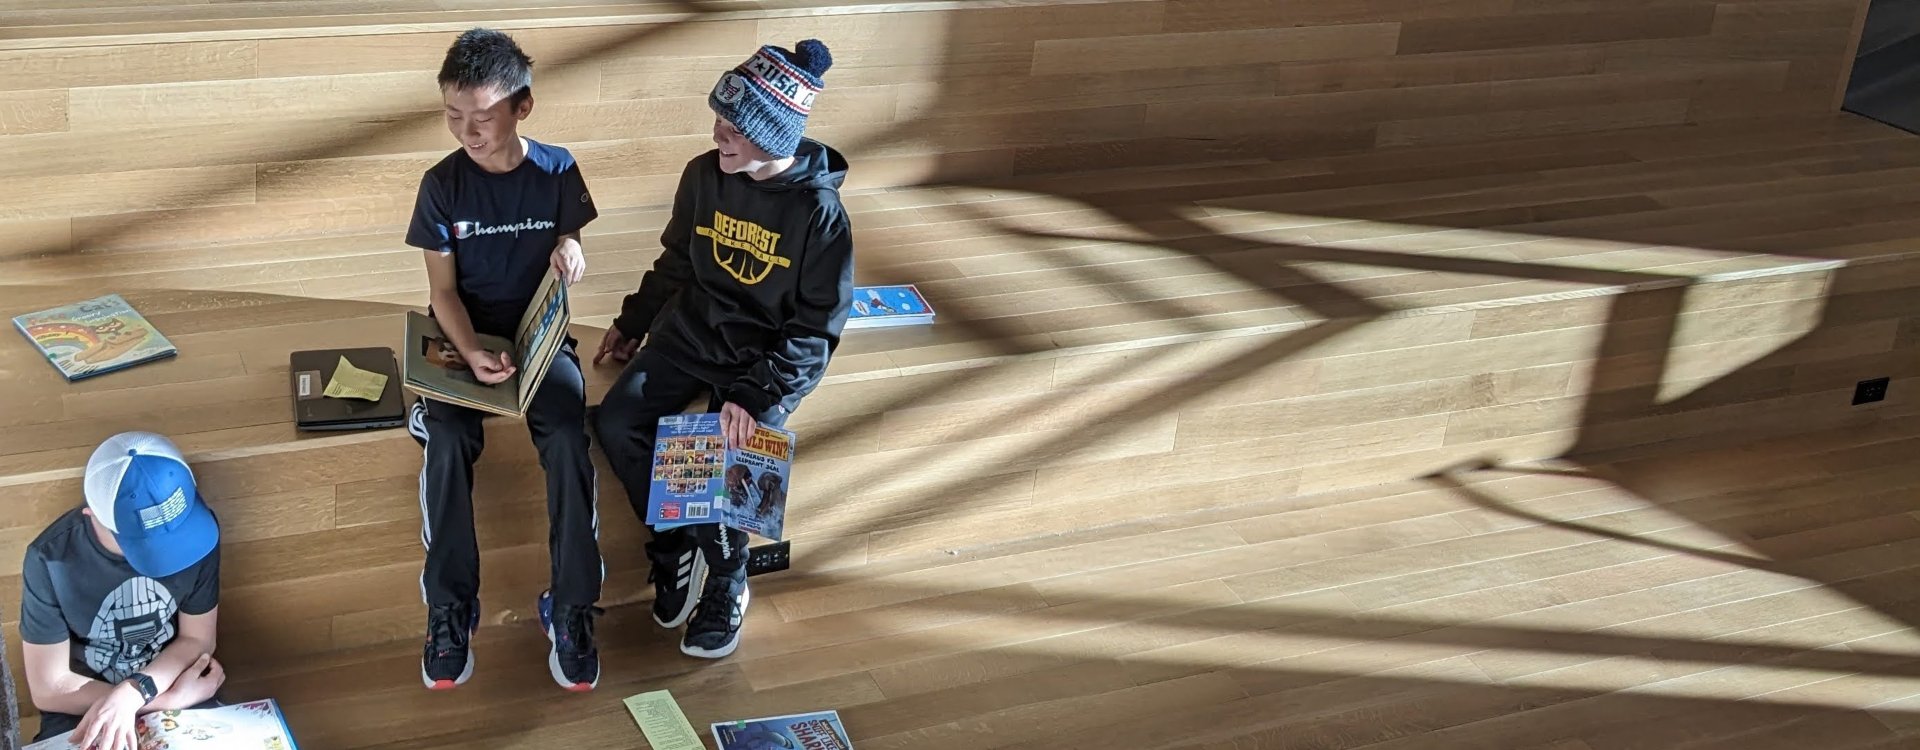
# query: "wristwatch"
{"points": [[144, 686]]}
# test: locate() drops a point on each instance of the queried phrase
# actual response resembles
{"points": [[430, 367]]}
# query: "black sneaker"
{"points": [[714, 631], [573, 658], [447, 661], [675, 570]]}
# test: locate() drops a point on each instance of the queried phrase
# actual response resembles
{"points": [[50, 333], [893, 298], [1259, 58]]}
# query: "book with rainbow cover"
{"points": [[94, 337]]}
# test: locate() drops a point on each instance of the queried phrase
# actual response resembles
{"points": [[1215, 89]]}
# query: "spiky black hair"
{"points": [[484, 57]]}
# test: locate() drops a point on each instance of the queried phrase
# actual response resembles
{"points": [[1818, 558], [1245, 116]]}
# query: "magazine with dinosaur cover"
{"points": [[698, 478]]}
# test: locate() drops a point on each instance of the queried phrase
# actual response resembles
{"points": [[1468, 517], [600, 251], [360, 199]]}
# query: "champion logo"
{"points": [[467, 229]]}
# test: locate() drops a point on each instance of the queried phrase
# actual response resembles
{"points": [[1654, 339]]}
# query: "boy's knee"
{"points": [[564, 439], [606, 424], [449, 438], [614, 425]]}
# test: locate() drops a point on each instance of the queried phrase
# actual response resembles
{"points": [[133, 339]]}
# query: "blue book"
{"points": [[698, 478], [94, 337], [820, 730], [888, 306]]}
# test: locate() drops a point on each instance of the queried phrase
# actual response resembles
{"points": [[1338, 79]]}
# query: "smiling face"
{"points": [[485, 120], [738, 154]]}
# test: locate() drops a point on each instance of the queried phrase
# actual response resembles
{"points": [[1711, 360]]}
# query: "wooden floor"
{"points": [[1761, 596], [1119, 353]]}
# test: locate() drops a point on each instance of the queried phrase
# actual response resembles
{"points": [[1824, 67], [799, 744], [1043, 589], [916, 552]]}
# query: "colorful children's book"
{"points": [[698, 479], [820, 730], [94, 337], [888, 306], [432, 367], [254, 725]]}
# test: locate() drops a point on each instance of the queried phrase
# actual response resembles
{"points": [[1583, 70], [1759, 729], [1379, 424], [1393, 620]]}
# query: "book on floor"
{"points": [[888, 306], [94, 337], [254, 725], [431, 366], [698, 478], [820, 730]]}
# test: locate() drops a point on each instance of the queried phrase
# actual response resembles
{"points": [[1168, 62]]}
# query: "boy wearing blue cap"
{"points": [[119, 597], [745, 306]]}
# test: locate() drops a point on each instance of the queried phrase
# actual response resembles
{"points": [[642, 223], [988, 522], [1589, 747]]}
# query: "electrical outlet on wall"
{"points": [[768, 558], [1869, 391]]}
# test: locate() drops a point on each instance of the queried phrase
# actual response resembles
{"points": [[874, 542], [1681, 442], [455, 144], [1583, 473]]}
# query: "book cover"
{"points": [[697, 478], [433, 368], [94, 337], [254, 725], [886, 306], [820, 730]]}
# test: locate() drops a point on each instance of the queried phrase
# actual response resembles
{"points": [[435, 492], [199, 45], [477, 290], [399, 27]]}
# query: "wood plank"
{"points": [[1253, 46], [24, 112], [74, 67], [1659, 21]]}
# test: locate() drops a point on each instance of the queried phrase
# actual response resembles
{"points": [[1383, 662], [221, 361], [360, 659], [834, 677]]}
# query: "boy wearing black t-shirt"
{"points": [[120, 597], [492, 217], [745, 306]]}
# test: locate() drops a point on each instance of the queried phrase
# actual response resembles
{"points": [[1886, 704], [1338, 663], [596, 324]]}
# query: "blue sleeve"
{"points": [[576, 204], [432, 227], [41, 621]]}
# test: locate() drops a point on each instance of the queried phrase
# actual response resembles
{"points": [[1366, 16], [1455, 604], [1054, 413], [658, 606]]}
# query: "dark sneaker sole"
{"points": [[560, 676], [694, 578], [725, 650], [545, 608], [433, 684], [465, 674]]}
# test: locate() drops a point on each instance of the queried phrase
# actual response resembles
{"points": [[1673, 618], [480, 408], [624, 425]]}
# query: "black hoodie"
{"points": [[752, 291]]}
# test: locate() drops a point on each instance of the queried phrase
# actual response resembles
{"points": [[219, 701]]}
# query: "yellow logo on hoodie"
{"points": [[747, 250]]}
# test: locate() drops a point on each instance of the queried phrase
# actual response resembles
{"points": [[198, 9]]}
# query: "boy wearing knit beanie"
{"points": [[745, 306]]}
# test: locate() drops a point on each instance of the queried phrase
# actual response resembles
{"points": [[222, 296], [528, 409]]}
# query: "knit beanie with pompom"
{"points": [[769, 96]]}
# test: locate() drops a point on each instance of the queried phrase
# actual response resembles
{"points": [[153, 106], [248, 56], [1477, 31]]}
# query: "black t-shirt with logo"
{"points": [[117, 621], [500, 228]]}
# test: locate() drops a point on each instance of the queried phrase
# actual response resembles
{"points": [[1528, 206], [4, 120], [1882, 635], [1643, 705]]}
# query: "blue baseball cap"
{"points": [[140, 488]]}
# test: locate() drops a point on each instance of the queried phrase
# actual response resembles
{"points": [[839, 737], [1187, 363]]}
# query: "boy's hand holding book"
{"points": [[569, 262], [490, 367], [109, 725], [736, 424]]}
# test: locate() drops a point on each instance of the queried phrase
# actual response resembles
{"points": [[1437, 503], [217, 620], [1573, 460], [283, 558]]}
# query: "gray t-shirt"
{"points": [[117, 620]]}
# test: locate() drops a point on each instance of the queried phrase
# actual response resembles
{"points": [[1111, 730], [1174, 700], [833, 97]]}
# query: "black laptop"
{"points": [[310, 371]]}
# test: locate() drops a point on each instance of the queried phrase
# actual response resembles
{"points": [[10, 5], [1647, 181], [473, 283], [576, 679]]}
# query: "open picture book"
{"points": [[698, 478], [254, 725], [431, 366]]}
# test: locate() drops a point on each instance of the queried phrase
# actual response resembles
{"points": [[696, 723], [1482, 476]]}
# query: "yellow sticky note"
{"points": [[661, 722], [353, 382]]}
